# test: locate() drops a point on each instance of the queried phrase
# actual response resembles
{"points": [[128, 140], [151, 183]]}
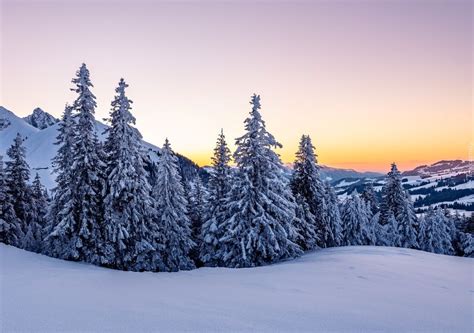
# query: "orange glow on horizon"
{"points": [[381, 164]]}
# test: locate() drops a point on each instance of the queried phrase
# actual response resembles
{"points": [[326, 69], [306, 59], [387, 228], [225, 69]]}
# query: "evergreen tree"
{"points": [[460, 241], [392, 236], [197, 195], [370, 198], [33, 240], [352, 221], [60, 209], [17, 176], [40, 201], [333, 216], [393, 196], [467, 244], [366, 222], [216, 210], [305, 225], [79, 231], [259, 230], [174, 234], [196, 211], [408, 224], [436, 238], [466, 224], [10, 232], [450, 227], [128, 206], [307, 183], [458, 220], [379, 231]]}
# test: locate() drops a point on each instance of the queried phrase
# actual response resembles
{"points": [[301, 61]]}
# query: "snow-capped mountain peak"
{"points": [[40, 147], [40, 119]]}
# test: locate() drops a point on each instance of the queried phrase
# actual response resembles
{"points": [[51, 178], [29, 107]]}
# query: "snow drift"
{"points": [[338, 289]]}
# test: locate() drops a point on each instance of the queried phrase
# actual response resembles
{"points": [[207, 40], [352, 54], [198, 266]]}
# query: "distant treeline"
{"points": [[434, 196]]}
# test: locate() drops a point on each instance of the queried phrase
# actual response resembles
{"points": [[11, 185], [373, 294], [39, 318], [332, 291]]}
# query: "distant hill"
{"points": [[334, 174], [447, 183], [442, 168]]}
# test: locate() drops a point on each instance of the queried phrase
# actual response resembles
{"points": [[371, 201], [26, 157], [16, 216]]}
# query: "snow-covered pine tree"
{"points": [[370, 198], [379, 231], [465, 223], [458, 220], [366, 223], [393, 195], [451, 227], [467, 244], [173, 236], [352, 221], [33, 240], [198, 195], [333, 216], [460, 239], [305, 225], [451, 231], [61, 203], [468, 225], [408, 224], [10, 232], [129, 209], [307, 183], [196, 210], [216, 212], [259, 230], [435, 238], [79, 231], [17, 176], [392, 236]]}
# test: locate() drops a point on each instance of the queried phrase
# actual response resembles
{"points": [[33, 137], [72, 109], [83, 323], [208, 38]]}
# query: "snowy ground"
{"points": [[340, 289]]}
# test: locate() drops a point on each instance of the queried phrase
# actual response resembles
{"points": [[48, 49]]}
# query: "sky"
{"points": [[372, 82]]}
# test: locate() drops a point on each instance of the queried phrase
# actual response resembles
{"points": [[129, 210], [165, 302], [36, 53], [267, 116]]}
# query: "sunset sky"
{"points": [[371, 81]]}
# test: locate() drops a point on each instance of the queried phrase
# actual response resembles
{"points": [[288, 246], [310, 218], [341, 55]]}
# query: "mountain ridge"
{"points": [[40, 119], [40, 147]]}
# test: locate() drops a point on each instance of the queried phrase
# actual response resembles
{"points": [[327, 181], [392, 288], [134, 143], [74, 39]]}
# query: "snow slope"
{"points": [[13, 126], [39, 144], [341, 289]]}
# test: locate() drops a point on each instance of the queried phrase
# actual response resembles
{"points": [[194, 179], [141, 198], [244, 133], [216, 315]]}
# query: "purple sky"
{"points": [[371, 81]]}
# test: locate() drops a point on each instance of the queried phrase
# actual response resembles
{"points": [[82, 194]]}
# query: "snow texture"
{"points": [[349, 289]]}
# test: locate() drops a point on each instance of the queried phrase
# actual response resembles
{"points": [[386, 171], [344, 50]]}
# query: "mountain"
{"points": [[442, 169], [40, 147], [334, 174], [40, 119], [10, 125], [345, 289], [447, 183]]}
